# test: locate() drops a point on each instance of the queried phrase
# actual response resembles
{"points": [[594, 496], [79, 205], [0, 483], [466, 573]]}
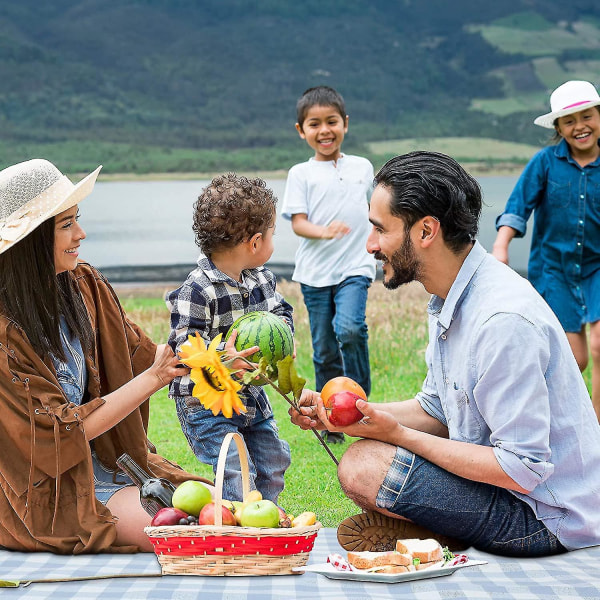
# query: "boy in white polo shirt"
{"points": [[327, 200]]}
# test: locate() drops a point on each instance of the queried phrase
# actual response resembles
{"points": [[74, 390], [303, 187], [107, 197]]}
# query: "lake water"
{"points": [[147, 224]]}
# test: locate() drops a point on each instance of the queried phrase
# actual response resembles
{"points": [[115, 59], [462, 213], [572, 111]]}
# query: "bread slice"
{"points": [[428, 550], [368, 560], [426, 565], [393, 569]]}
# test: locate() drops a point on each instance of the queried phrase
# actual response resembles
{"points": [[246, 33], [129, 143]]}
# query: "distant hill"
{"points": [[190, 85]]}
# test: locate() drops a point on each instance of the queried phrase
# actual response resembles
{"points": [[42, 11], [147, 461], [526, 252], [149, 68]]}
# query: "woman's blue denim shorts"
{"points": [[104, 483]]}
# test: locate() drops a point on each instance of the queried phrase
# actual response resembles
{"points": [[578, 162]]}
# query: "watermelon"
{"points": [[267, 331]]}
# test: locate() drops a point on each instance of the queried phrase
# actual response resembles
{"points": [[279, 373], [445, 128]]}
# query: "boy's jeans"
{"points": [[269, 456], [488, 517], [339, 330]]}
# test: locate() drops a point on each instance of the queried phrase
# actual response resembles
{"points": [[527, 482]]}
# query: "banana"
{"points": [[304, 519]]}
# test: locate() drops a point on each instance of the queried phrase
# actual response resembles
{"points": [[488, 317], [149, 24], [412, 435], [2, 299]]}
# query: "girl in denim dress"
{"points": [[561, 185]]}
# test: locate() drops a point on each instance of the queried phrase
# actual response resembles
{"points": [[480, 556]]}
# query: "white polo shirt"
{"points": [[327, 191]]}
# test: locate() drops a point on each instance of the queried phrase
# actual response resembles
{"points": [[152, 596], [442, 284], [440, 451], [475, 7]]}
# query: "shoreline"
{"points": [[476, 169]]}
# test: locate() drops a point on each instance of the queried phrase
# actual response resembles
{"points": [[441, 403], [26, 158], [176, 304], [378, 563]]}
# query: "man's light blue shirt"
{"points": [[501, 373]]}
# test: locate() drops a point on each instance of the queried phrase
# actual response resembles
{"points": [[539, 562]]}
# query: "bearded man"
{"points": [[500, 449]]}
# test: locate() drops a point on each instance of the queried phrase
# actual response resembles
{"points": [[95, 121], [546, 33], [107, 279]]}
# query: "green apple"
{"points": [[263, 513], [191, 496]]}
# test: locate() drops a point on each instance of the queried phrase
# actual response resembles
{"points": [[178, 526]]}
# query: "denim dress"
{"points": [[564, 263], [72, 376]]}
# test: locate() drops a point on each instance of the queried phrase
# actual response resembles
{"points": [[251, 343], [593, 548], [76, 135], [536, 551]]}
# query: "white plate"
{"points": [[359, 575]]}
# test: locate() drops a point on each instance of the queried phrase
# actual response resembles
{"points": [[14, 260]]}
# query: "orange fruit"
{"points": [[340, 384]]}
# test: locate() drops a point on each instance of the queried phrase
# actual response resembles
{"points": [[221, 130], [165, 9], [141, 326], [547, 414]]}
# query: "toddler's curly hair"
{"points": [[230, 210]]}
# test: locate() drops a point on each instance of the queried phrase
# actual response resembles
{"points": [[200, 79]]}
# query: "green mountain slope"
{"points": [[187, 85]]}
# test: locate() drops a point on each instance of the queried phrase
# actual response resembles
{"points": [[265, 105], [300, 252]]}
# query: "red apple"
{"points": [[168, 516], [207, 515], [343, 409]]}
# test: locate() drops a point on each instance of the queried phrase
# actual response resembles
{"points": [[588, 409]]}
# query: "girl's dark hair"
{"points": [[432, 184], [34, 297], [321, 95]]}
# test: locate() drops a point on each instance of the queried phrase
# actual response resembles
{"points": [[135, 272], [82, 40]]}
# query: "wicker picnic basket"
{"points": [[229, 550]]}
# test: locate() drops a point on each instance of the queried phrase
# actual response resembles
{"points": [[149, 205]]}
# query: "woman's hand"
{"points": [[166, 365], [232, 353]]}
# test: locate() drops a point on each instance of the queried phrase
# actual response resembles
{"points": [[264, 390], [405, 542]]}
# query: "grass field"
{"points": [[540, 40], [397, 340], [398, 333]]}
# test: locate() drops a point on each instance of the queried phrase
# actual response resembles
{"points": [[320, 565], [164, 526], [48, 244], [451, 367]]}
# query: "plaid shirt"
{"points": [[209, 301]]}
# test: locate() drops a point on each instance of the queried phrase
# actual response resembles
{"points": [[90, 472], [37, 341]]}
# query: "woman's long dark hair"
{"points": [[32, 295]]}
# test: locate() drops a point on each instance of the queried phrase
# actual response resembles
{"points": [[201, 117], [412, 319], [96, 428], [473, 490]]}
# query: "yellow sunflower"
{"points": [[213, 384]]}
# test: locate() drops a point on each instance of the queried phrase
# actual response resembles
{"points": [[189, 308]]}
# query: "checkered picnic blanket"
{"points": [[573, 576]]}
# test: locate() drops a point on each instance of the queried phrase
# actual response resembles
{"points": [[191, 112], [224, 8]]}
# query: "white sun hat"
{"points": [[32, 192], [569, 98]]}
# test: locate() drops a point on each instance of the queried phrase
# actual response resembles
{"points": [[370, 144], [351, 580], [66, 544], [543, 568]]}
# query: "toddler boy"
{"points": [[234, 223]]}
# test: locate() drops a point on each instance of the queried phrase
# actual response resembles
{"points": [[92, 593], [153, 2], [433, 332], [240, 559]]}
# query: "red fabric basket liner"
{"points": [[233, 545]]}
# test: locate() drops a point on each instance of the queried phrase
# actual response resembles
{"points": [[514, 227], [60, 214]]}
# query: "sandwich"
{"points": [[410, 555], [425, 553], [382, 562]]}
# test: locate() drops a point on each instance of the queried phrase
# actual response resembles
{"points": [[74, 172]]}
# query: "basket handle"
{"points": [[243, 454]]}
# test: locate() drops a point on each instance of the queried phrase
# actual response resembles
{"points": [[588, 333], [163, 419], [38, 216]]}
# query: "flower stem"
{"points": [[295, 406]]}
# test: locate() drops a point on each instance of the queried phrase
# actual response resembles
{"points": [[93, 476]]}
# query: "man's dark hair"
{"points": [[433, 184], [321, 95], [35, 297]]}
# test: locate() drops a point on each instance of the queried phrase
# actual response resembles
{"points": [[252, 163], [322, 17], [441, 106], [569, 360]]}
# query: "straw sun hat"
{"points": [[569, 98], [32, 192]]}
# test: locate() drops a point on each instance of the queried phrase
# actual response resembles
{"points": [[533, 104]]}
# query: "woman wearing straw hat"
{"points": [[75, 375], [561, 184]]}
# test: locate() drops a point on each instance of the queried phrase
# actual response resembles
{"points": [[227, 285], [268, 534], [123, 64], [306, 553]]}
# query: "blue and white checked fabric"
{"points": [[572, 576]]}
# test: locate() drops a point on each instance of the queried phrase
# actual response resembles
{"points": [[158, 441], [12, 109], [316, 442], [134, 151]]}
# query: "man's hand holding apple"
{"points": [[375, 424]]}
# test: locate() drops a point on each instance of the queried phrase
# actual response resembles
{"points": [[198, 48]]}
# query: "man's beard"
{"points": [[404, 264]]}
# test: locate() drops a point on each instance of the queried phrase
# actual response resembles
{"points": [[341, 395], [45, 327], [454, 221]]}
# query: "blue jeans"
{"points": [[339, 330], [269, 456], [487, 517]]}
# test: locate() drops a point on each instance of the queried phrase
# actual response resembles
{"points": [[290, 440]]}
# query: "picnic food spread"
{"points": [[256, 538]]}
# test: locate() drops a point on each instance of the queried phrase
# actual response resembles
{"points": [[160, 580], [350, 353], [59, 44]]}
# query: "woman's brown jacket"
{"points": [[47, 500]]}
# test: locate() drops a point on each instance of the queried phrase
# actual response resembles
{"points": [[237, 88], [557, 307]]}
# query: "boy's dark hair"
{"points": [[230, 210], [429, 183], [35, 297], [321, 95]]}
